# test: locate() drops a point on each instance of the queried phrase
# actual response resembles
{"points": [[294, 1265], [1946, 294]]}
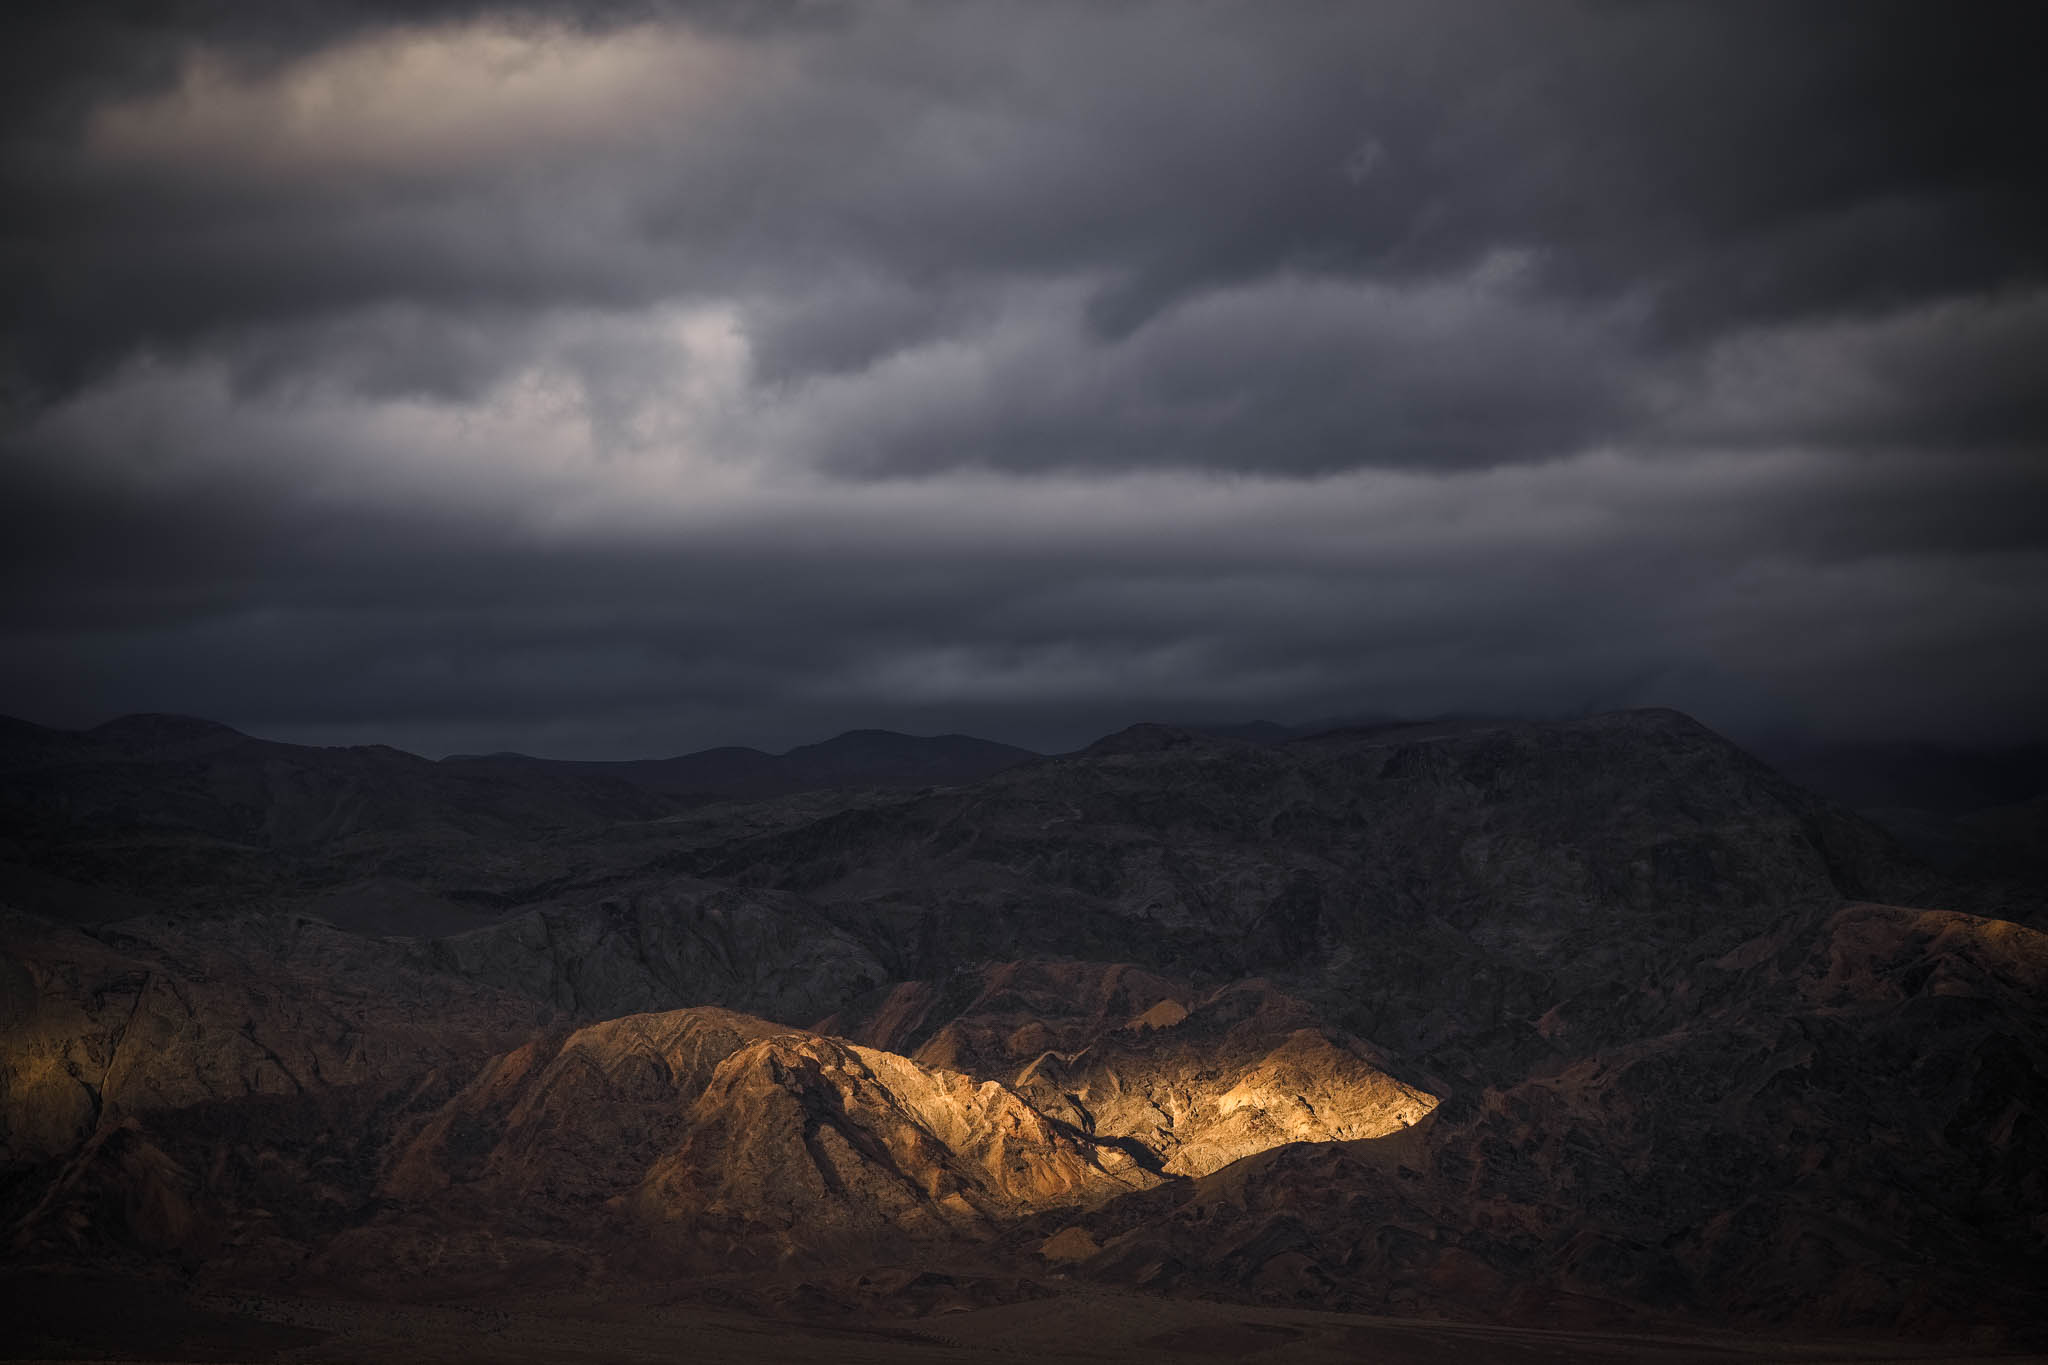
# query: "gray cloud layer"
{"points": [[622, 379]]}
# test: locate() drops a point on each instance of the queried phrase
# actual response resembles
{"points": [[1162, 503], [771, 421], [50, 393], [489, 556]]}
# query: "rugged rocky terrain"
{"points": [[1839, 1122], [1592, 1024]]}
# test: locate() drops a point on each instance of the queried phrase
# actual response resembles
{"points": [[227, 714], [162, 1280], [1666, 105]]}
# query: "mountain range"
{"points": [[1603, 1028]]}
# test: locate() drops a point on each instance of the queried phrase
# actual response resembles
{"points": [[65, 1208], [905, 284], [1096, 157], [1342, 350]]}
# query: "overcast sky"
{"points": [[605, 381]]}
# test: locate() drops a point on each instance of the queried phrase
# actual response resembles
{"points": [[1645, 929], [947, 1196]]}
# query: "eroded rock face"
{"points": [[808, 1144], [1245, 1070], [558, 1128], [721, 1136], [1194, 1079]]}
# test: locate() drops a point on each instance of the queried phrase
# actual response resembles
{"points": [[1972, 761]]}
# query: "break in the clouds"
{"points": [[604, 380]]}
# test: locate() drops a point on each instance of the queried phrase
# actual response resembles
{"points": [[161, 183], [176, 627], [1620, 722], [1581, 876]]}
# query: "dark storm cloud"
{"points": [[1295, 376], [1957, 374], [622, 378], [1714, 164]]}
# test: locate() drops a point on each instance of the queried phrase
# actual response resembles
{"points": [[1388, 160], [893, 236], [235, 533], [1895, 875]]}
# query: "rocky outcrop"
{"points": [[558, 1128], [1244, 1071], [718, 1137], [1192, 1079], [808, 1146]]}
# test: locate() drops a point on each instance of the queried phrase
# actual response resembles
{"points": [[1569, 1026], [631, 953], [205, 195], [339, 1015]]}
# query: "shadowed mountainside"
{"points": [[1548, 862], [1845, 1121], [1978, 814]]}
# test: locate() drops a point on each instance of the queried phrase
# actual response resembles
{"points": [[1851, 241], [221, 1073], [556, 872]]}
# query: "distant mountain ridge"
{"points": [[184, 812], [884, 757], [858, 758], [198, 777]]}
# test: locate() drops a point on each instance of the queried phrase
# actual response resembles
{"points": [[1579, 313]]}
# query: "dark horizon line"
{"points": [[1222, 729], [1279, 732]]}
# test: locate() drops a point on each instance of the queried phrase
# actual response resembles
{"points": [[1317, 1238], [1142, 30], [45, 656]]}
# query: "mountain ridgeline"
{"points": [[858, 758], [1599, 1023]]}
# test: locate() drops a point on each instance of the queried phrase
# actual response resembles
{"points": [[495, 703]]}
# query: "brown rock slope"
{"points": [[702, 1139], [806, 1146], [1192, 1079], [560, 1128]]}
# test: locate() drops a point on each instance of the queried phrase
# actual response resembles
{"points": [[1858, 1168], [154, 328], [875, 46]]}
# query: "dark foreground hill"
{"points": [[1594, 1025]]}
